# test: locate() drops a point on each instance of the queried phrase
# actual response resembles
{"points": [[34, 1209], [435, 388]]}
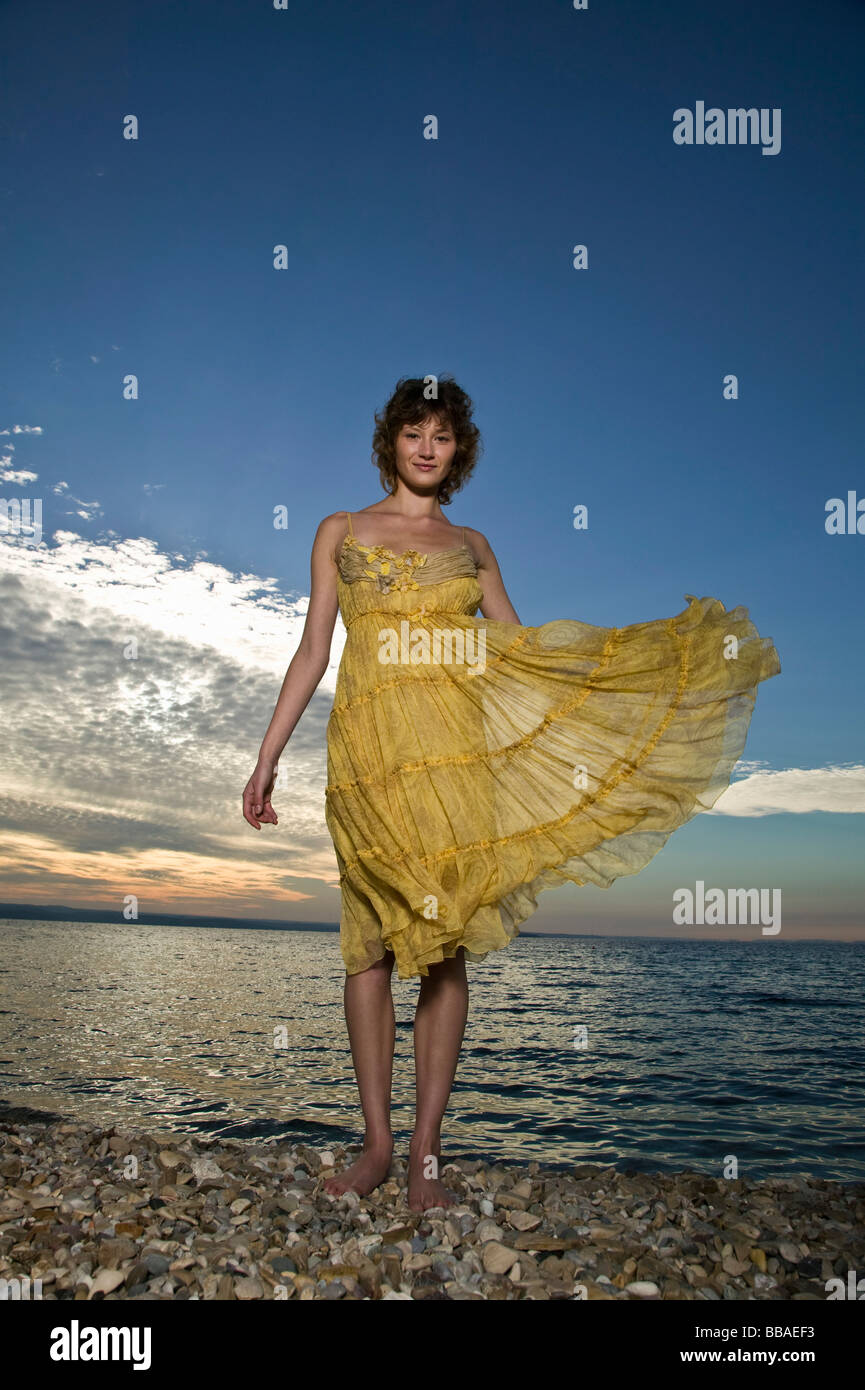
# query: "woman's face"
{"points": [[424, 453]]}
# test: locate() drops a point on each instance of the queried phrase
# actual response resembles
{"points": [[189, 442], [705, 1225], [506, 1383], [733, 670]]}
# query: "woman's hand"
{"points": [[256, 794]]}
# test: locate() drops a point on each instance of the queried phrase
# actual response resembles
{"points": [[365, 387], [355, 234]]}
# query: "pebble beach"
{"points": [[113, 1214]]}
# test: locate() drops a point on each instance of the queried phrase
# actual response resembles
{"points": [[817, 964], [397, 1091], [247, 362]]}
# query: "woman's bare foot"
{"points": [[424, 1188], [365, 1175]]}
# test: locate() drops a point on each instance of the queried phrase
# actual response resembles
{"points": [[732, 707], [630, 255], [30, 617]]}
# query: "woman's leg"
{"points": [[371, 1030], [439, 1024]]}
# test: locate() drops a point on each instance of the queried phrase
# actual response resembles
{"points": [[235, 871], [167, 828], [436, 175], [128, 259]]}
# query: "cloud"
{"points": [[840, 789], [18, 477], [86, 510], [139, 685]]}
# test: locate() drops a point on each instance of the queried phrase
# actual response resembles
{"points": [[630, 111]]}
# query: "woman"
{"points": [[473, 763]]}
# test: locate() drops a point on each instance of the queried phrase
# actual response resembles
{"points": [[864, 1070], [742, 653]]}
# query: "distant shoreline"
{"points": [[43, 912]]}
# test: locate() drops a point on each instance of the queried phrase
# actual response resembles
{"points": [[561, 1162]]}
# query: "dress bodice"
{"points": [[374, 580]]}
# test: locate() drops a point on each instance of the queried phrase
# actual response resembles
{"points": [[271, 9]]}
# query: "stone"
{"points": [[169, 1159], [396, 1234], [334, 1290], [129, 1228], [205, 1169], [138, 1274], [114, 1251], [498, 1258], [523, 1220], [248, 1288], [453, 1232], [106, 1281], [509, 1200], [527, 1241], [487, 1230], [417, 1261]]}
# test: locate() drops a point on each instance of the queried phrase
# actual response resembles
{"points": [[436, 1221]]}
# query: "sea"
{"points": [[645, 1053]]}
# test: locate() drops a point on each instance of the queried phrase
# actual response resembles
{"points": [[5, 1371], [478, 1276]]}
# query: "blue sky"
{"points": [[304, 127]]}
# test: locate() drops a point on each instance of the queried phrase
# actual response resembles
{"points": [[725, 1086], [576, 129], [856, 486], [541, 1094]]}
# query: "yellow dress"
{"points": [[472, 763]]}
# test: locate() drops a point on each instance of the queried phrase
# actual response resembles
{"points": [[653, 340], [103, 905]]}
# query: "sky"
{"points": [[694, 381]]}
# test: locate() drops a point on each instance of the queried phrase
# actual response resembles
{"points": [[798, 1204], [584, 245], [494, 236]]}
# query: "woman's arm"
{"points": [[496, 604], [309, 662], [305, 669]]}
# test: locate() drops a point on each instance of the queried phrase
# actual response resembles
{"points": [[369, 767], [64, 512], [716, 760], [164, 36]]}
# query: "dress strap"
{"points": [[350, 532]]}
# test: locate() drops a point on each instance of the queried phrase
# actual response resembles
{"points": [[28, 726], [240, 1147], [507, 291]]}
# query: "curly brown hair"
{"points": [[410, 406]]}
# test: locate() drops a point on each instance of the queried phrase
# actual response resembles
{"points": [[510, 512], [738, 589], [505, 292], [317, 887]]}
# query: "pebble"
{"points": [[487, 1230], [499, 1258], [250, 1221], [524, 1221], [204, 1169]]}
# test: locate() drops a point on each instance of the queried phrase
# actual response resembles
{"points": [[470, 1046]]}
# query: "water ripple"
{"points": [[693, 1050]]}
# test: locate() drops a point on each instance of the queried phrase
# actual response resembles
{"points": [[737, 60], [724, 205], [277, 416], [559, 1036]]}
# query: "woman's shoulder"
{"points": [[342, 517], [333, 522], [331, 533], [478, 542]]}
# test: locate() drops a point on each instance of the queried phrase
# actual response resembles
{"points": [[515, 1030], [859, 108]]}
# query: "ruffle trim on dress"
{"points": [[603, 790], [489, 755], [444, 673]]}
